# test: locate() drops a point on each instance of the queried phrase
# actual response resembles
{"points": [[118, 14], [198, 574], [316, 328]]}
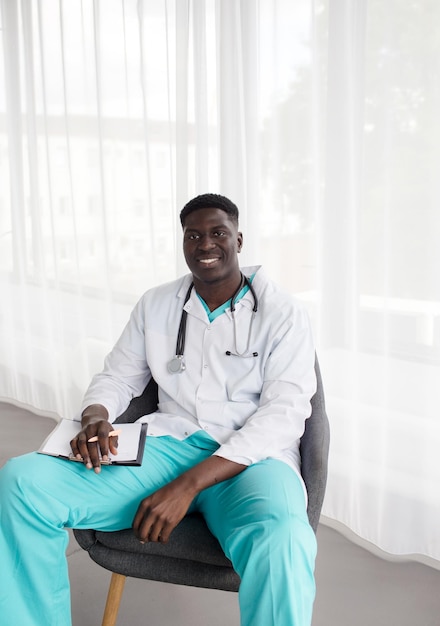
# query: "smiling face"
{"points": [[211, 241]]}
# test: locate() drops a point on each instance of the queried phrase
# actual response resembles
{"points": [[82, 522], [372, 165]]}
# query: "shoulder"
{"points": [[269, 291], [274, 300]]}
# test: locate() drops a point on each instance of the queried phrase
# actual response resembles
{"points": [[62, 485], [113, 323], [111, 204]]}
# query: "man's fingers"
{"points": [[81, 450], [146, 528], [74, 447], [157, 532], [113, 445], [150, 526], [95, 460], [93, 444], [138, 520]]}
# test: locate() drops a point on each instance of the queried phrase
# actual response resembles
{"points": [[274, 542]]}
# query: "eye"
{"points": [[192, 236], [219, 233]]}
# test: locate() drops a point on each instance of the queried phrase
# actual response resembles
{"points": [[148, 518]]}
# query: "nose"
{"points": [[206, 242]]}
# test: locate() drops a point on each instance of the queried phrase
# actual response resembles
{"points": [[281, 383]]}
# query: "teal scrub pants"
{"points": [[258, 516]]}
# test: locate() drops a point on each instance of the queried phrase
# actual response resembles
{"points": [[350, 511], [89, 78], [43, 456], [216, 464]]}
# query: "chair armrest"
{"points": [[143, 405]]}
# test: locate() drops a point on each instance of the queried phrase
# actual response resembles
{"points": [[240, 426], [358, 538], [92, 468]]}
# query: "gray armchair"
{"points": [[193, 556]]}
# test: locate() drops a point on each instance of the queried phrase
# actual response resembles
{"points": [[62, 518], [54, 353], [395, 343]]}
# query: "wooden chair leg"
{"points": [[113, 599]]}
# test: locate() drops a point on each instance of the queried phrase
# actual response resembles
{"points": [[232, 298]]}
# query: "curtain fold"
{"points": [[319, 119]]}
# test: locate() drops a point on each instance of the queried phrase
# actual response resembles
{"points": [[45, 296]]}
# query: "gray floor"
{"points": [[354, 586]]}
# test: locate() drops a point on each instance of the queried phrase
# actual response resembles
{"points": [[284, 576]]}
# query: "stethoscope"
{"points": [[177, 363]]}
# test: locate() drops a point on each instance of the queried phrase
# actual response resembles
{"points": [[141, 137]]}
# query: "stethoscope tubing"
{"points": [[177, 364]]}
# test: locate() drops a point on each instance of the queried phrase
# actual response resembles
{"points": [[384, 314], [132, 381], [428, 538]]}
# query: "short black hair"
{"points": [[209, 201]]}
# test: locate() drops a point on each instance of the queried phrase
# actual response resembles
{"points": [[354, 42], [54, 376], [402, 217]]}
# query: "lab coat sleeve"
{"points": [[289, 384], [126, 372]]}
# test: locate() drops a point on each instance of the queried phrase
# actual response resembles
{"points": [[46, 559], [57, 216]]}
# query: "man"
{"points": [[235, 381]]}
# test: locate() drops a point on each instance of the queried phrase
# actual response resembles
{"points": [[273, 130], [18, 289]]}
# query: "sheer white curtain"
{"points": [[380, 291], [319, 118]]}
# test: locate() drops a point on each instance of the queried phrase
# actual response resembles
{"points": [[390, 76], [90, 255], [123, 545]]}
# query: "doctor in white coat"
{"points": [[233, 357]]}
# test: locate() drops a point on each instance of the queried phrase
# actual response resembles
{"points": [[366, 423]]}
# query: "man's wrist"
{"points": [[213, 470], [93, 413]]}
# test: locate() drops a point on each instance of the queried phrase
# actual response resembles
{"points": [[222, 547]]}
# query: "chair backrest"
{"points": [[313, 448]]}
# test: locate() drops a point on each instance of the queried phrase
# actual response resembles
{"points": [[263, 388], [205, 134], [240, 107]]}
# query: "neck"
{"points": [[216, 294]]}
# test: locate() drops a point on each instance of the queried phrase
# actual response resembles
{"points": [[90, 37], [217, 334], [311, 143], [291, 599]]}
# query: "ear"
{"points": [[239, 241]]}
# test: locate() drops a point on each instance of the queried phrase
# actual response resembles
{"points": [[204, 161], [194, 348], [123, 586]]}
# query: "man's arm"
{"points": [[125, 376], [94, 422], [160, 513], [125, 373]]}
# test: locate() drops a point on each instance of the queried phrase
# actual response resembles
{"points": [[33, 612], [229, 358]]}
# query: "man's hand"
{"points": [[159, 514], [94, 424]]}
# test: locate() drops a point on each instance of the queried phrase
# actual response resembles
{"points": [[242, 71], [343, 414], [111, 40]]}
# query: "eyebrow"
{"points": [[216, 227]]}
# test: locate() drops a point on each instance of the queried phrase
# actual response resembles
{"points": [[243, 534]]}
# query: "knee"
{"points": [[10, 472], [284, 527], [26, 493], [294, 533], [282, 533], [274, 541], [18, 475]]}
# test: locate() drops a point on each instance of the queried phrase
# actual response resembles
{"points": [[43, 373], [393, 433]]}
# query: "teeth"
{"points": [[208, 261]]}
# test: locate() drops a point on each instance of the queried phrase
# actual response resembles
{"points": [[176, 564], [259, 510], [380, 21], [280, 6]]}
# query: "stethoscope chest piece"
{"points": [[176, 365]]}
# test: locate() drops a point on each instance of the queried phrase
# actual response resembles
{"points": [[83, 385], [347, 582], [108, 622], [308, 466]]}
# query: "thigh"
{"points": [[71, 495], [267, 497], [260, 519]]}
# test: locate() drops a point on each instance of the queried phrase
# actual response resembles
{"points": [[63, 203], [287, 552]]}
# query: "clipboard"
{"points": [[131, 443]]}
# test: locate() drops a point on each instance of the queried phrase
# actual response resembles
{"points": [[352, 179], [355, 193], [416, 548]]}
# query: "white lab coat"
{"points": [[255, 407]]}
